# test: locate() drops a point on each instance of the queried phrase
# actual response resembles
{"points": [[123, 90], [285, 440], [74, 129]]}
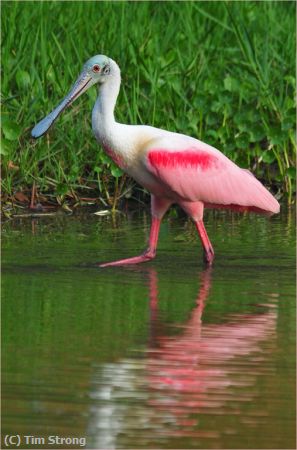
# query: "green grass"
{"points": [[220, 71]]}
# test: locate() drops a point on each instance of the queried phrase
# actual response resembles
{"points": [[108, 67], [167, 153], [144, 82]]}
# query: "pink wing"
{"points": [[202, 173]]}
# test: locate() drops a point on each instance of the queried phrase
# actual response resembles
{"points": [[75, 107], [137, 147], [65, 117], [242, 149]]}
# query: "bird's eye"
{"points": [[96, 68]]}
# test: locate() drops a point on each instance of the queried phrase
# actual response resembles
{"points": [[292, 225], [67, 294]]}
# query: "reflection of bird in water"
{"points": [[181, 376], [195, 370]]}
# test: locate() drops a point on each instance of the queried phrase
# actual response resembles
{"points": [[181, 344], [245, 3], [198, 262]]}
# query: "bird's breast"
{"points": [[116, 157]]}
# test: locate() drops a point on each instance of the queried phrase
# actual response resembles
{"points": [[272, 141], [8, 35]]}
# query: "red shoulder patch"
{"points": [[182, 158]]}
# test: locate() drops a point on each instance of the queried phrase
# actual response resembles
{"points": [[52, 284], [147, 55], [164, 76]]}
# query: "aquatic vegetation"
{"points": [[222, 72]]}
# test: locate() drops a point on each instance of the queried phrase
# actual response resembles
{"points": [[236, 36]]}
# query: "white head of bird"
{"points": [[98, 69]]}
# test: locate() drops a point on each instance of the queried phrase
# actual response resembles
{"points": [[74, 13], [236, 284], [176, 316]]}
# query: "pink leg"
{"points": [[208, 250], [159, 207], [195, 210]]}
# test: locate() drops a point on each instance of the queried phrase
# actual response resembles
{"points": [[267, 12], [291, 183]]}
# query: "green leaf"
{"points": [[268, 157], [257, 133], [116, 172], [241, 121], [51, 74], [223, 133], [247, 120], [287, 125], [180, 238], [105, 159], [23, 79], [211, 119], [242, 141], [228, 83], [279, 177], [291, 172], [61, 189], [201, 103], [229, 147], [216, 106], [11, 130], [276, 136], [211, 133], [252, 116], [6, 147], [290, 79], [225, 98], [231, 84]]}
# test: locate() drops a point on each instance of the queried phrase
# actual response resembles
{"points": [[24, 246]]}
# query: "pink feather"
{"points": [[206, 175]]}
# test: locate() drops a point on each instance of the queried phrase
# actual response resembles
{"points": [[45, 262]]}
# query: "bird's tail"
{"points": [[251, 196]]}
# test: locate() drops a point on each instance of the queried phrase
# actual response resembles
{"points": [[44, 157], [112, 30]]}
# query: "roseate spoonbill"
{"points": [[175, 168]]}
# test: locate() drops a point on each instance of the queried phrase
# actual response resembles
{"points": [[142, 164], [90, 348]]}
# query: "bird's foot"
{"points": [[208, 256], [146, 256]]}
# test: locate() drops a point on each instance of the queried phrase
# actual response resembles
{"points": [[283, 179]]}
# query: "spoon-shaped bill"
{"points": [[45, 124], [81, 85]]}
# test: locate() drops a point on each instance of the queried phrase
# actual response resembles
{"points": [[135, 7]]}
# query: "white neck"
{"points": [[103, 113]]}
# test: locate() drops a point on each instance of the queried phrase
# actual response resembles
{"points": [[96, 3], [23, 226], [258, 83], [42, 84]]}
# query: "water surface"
{"points": [[166, 354]]}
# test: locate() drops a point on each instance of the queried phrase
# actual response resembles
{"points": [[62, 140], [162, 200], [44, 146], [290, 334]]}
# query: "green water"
{"points": [[160, 355]]}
